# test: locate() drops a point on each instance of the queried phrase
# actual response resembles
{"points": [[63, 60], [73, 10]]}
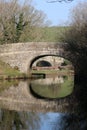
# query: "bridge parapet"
{"points": [[28, 46]]}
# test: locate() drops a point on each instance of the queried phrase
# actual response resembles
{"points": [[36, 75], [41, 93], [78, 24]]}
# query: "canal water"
{"points": [[54, 103]]}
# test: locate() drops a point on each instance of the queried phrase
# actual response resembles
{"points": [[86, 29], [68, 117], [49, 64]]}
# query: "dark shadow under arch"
{"points": [[43, 63]]}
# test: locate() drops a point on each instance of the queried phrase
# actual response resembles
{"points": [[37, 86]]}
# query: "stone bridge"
{"points": [[23, 55]]}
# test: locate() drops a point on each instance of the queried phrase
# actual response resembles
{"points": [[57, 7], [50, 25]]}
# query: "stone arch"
{"points": [[40, 56]]}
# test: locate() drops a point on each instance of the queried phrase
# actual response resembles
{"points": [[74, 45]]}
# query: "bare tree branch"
{"points": [[53, 1]]}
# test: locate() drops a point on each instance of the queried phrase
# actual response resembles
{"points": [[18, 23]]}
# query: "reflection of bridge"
{"points": [[52, 80], [20, 98], [23, 55]]}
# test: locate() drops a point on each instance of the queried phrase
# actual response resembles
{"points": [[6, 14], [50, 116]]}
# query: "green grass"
{"points": [[44, 71], [52, 34], [63, 71], [7, 71]]}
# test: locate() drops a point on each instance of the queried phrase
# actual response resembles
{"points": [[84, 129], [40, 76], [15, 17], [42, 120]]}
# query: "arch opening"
{"points": [[43, 63], [57, 62]]}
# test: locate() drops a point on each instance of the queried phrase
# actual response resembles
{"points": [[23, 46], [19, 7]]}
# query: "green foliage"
{"points": [[76, 39], [19, 26], [6, 70], [66, 62], [52, 34]]}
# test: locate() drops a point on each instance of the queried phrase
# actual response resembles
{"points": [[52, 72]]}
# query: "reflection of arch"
{"points": [[53, 89], [38, 57]]}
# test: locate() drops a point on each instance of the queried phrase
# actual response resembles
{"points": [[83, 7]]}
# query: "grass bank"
{"points": [[54, 71], [6, 72]]}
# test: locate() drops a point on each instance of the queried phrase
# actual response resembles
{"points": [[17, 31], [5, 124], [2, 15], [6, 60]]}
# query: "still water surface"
{"points": [[54, 87], [41, 104]]}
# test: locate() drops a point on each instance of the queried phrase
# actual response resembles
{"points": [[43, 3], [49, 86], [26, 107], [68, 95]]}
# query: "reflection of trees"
{"points": [[70, 122], [55, 88], [81, 95], [12, 120], [77, 120]]}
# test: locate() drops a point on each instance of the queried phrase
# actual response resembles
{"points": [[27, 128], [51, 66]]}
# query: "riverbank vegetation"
{"points": [[54, 71], [6, 72], [76, 39]]}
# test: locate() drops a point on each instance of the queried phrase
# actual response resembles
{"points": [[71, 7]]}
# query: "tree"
{"points": [[20, 22], [20, 26], [75, 38]]}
